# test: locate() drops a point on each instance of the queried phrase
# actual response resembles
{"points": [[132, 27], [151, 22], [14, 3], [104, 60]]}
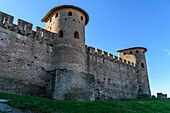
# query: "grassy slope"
{"points": [[44, 105]]}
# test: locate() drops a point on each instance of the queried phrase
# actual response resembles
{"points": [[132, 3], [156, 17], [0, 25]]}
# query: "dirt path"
{"points": [[9, 109]]}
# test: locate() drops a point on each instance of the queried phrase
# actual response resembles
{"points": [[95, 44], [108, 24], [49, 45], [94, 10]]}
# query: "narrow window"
{"points": [[42, 34], [56, 15], [137, 51], [142, 65], [50, 19], [76, 35], [81, 18], [24, 27], [130, 52], [124, 53], [60, 33], [4, 20], [69, 13]]}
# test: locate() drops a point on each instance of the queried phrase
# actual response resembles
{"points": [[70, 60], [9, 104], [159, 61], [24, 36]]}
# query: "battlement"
{"points": [[25, 28], [35, 60], [105, 55]]}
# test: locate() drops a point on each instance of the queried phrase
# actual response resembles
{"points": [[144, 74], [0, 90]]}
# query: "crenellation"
{"points": [[91, 50], [111, 57], [120, 59], [115, 58], [56, 63], [24, 27], [105, 54], [44, 35], [99, 53], [5, 18]]}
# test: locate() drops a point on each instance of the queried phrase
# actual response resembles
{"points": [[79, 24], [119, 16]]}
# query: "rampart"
{"points": [[25, 55], [29, 66], [114, 78]]}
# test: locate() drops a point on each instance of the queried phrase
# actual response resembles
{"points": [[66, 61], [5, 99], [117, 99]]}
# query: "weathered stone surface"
{"points": [[71, 85], [42, 63]]}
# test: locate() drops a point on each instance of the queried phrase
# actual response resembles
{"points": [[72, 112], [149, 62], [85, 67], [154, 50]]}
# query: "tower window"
{"points": [[81, 18], [142, 65], [60, 33], [137, 51], [69, 13], [124, 53], [76, 35], [130, 52], [50, 19], [56, 15]]}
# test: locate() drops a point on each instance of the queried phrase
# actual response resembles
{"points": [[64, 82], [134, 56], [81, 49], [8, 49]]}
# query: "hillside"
{"points": [[44, 105]]}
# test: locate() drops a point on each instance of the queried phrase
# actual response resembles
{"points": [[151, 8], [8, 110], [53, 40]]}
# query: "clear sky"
{"points": [[114, 25]]}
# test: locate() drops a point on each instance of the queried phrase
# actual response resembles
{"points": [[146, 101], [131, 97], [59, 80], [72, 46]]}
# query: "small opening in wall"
{"points": [[50, 19], [60, 33], [9, 61], [65, 18], [124, 53], [42, 34], [70, 13], [24, 27], [73, 19], [137, 51], [131, 52], [28, 64], [56, 15], [4, 20], [109, 80], [82, 18], [2, 39], [35, 57], [42, 68], [142, 65], [76, 34]]}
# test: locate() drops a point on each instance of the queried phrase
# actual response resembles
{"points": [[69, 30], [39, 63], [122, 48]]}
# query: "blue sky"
{"points": [[114, 25]]}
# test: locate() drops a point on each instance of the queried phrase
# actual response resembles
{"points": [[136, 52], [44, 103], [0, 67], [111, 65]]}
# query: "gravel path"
{"points": [[9, 109]]}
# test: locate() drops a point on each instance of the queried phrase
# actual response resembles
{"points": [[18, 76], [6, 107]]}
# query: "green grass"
{"points": [[44, 105]]}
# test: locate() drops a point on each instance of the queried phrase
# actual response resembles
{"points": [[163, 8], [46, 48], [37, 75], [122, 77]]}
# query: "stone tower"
{"points": [[69, 47], [137, 56]]}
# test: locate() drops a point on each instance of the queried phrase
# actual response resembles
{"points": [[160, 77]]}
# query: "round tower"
{"points": [[69, 47], [137, 56]]}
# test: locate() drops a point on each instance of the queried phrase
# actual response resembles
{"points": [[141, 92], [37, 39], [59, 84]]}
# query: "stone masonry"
{"points": [[55, 62]]}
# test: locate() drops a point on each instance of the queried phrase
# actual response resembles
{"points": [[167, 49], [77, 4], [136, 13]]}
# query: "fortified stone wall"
{"points": [[24, 56], [29, 62], [32, 64], [114, 78]]}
